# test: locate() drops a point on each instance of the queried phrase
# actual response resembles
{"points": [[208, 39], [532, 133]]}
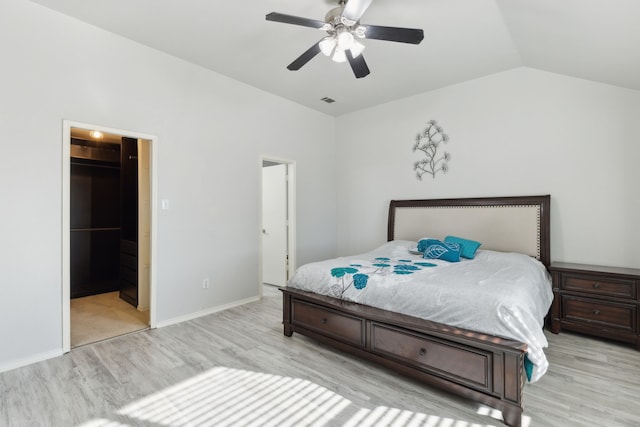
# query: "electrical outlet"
{"points": [[205, 283]]}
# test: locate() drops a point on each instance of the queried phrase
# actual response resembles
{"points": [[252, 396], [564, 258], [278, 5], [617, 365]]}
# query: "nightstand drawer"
{"points": [[600, 285], [603, 313]]}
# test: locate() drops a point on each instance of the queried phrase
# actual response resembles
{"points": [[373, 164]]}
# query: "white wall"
{"points": [[521, 132], [211, 133]]}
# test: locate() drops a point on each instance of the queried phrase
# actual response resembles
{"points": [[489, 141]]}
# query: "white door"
{"points": [[274, 224]]}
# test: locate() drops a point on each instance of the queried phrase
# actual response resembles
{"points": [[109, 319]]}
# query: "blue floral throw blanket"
{"points": [[357, 275], [503, 294]]}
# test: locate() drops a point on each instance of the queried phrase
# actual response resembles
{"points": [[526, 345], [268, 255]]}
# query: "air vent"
{"points": [[328, 100]]}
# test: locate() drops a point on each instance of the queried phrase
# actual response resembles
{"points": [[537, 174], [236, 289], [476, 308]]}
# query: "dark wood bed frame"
{"points": [[484, 368]]}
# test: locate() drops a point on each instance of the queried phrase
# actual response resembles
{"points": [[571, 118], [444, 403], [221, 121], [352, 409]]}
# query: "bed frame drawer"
{"points": [[460, 361], [328, 322], [437, 356]]}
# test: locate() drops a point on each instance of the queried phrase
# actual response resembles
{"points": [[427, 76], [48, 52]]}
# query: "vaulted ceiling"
{"points": [[597, 40]]}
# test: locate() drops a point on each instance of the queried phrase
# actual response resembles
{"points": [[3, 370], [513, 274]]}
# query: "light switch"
{"points": [[165, 204]]}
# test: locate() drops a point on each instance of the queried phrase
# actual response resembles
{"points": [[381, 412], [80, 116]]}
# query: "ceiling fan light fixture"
{"points": [[356, 48], [327, 45], [339, 44], [347, 22], [345, 39], [339, 55]]}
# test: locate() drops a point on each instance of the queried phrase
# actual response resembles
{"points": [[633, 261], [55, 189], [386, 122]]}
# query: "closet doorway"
{"points": [[277, 221], [108, 234]]}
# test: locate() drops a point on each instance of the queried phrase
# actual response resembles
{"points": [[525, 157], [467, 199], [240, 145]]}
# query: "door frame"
{"points": [[66, 220], [291, 215]]}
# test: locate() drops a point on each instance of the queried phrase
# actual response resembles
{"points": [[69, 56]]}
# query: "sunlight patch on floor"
{"points": [[101, 422], [227, 397], [234, 397]]}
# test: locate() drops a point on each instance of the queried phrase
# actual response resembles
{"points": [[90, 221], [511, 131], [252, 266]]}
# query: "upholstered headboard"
{"points": [[507, 224]]}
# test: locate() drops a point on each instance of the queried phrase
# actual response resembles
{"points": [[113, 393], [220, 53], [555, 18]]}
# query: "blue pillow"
{"points": [[422, 244], [468, 247], [435, 249]]}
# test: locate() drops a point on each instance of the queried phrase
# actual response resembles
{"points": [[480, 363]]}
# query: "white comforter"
{"points": [[503, 294]]}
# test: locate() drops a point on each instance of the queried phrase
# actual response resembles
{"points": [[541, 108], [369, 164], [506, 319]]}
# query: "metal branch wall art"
{"points": [[428, 141]]}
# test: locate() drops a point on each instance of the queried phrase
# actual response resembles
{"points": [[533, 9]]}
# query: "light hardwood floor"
{"points": [[235, 368]]}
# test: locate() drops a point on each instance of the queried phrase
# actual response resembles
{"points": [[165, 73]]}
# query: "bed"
{"points": [[489, 368]]}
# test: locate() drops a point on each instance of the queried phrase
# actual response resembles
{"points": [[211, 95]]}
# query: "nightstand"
{"points": [[596, 300]]}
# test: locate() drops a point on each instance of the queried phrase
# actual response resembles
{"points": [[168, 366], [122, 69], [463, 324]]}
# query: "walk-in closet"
{"points": [[104, 245]]}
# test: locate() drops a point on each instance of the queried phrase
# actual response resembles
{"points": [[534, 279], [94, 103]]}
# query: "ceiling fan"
{"points": [[342, 25]]}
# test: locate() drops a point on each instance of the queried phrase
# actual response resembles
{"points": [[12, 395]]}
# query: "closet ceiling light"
{"points": [[96, 134]]}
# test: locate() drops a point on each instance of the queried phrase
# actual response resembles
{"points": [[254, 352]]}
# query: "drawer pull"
{"points": [[596, 285], [596, 312], [423, 351], [324, 320]]}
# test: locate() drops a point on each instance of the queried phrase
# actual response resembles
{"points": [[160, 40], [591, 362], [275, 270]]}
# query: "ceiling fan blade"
{"points": [[295, 20], [355, 9], [394, 34], [358, 65], [307, 56]]}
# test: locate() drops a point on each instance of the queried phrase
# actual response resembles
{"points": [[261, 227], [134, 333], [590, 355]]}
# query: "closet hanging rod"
{"points": [[93, 165], [96, 229]]}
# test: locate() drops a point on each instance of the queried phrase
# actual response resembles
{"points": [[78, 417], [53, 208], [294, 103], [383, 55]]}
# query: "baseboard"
{"points": [[195, 315], [29, 360], [55, 353]]}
